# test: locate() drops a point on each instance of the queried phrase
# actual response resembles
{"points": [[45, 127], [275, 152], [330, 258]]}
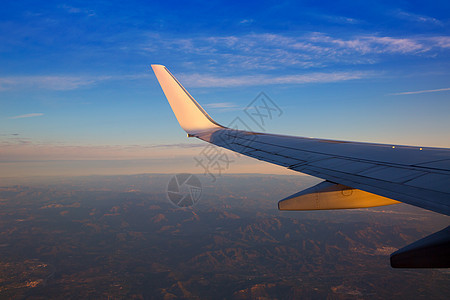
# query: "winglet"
{"points": [[191, 116]]}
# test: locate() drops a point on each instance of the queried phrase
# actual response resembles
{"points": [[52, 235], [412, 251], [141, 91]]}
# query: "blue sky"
{"points": [[75, 82]]}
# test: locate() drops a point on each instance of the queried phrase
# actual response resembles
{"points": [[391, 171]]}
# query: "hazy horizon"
{"points": [[75, 82]]}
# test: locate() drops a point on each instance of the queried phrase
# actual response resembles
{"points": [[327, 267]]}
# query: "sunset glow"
{"points": [[70, 93]]}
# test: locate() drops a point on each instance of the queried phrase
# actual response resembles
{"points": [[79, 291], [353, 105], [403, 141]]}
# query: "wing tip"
{"points": [[191, 116], [156, 67]]}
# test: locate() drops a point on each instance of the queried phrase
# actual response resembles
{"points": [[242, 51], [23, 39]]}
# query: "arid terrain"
{"points": [[119, 237]]}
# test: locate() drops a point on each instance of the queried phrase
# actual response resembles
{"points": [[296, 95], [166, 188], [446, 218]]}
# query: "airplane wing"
{"points": [[356, 174]]}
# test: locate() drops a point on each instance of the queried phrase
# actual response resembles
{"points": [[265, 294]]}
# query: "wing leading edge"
{"points": [[385, 173]]}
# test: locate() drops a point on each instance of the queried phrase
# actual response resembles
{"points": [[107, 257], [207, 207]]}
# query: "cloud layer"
{"points": [[57, 83], [27, 116], [205, 80], [259, 59], [312, 50], [422, 92]]}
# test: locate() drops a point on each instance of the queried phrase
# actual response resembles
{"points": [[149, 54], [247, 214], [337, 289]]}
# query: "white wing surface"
{"points": [[386, 174]]}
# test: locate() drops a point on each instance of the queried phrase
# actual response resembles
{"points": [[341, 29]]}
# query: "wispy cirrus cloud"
{"points": [[268, 51], [417, 18], [205, 80], [255, 54], [336, 19], [57, 83], [66, 83], [442, 41], [376, 45], [76, 10], [421, 92], [246, 21], [223, 106], [27, 116]]}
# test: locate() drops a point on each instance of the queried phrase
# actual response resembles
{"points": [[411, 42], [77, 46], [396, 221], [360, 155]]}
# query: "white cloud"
{"points": [[63, 82], [441, 41], [76, 10], [422, 92], [255, 54], [71, 9], [396, 45], [370, 44], [27, 116], [417, 18], [269, 51], [337, 19], [202, 80], [221, 105], [57, 83], [246, 21]]}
